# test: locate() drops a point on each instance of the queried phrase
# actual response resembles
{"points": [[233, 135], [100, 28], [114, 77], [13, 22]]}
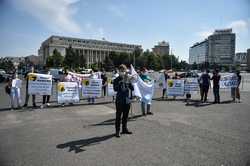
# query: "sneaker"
{"points": [[25, 105], [47, 104]]}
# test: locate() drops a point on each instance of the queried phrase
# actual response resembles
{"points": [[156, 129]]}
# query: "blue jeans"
{"points": [[143, 105]]}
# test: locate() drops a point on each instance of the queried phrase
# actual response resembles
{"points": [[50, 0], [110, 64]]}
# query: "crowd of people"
{"points": [[122, 84]]}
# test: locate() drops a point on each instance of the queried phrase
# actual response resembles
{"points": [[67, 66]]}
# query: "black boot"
{"points": [[126, 131], [117, 134]]}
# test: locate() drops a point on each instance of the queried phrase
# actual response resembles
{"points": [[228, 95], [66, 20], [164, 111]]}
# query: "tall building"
{"points": [[240, 58], [219, 48], [161, 49], [94, 51], [198, 53], [248, 59]]}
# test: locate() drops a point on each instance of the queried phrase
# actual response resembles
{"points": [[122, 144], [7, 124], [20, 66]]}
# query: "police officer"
{"points": [[122, 85]]}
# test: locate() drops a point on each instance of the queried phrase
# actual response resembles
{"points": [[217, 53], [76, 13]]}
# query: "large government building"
{"points": [[219, 48], [94, 51]]}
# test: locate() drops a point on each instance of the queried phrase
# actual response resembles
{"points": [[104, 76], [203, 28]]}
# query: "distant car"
{"points": [[57, 74], [86, 71], [151, 71], [2, 72], [188, 74]]}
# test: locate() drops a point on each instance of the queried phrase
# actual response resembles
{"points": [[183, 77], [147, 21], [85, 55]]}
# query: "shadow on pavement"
{"points": [[30, 108], [112, 121], [77, 145]]}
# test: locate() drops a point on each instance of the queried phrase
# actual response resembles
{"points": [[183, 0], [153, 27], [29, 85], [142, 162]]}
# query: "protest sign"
{"points": [[91, 87], [191, 85], [67, 92], [175, 87], [39, 84], [228, 81]]}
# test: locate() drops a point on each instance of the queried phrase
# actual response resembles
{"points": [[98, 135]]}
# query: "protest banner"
{"points": [[228, 81], [91, 87], [191, 85], [143, 90], [175, 87], [67, 92], [39, 84]]}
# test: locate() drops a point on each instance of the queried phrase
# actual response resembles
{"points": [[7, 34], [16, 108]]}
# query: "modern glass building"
{"points": [[198, 53], [219, 48]]}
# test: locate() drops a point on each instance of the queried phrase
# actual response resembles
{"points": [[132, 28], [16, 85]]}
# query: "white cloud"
{"points": [[57, 15], [240, 26], [204, 34]]}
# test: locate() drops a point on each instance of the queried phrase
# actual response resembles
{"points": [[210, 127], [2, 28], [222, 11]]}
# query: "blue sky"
{"points": [[24, 24]]}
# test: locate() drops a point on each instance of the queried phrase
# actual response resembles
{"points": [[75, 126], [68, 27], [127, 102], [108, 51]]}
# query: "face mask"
{"points": [[122, 73]]}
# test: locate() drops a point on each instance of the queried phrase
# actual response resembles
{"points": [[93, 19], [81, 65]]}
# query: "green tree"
{"points": [[69, 59], [55, 60], [108, 64]]}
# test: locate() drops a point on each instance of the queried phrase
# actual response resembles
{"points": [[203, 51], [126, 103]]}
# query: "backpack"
{"points": [[8, 89]]}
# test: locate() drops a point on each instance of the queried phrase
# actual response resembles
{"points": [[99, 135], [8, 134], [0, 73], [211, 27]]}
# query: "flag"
{"points": [[143, 90]]}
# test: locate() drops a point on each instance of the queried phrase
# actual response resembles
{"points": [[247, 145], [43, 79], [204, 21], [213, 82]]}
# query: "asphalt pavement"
{"points": [[82, 134], [176, 135]]}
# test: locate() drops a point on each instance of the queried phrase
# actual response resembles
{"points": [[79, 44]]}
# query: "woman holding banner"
{"points": [[122, 85], [144, 101]]}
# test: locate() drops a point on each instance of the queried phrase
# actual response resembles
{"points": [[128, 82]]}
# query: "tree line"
{"points": [[139, 59]]}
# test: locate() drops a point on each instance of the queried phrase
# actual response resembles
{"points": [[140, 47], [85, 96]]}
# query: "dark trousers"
{"points": [[121, 110], [104, 89], [163, 92], [204, 91], [46, 99], [216, 90], [27, 98]]}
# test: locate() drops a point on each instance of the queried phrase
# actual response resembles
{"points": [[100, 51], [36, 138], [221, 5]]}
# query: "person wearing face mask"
{"points": [[122, 86], [15, 91], [144, 102]]}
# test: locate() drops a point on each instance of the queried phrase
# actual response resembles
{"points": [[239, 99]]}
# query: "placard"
{"points": [[67, 92], [228, 81], [191, 85], [175, 87], [91, 87], [39, 84]]}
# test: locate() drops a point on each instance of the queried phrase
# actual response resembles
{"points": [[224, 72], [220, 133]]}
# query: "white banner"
{"points": [[191, 85], [67, 92], [228, 81], [91, 87], [175, 87], [143, 90], [40, 84]]}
